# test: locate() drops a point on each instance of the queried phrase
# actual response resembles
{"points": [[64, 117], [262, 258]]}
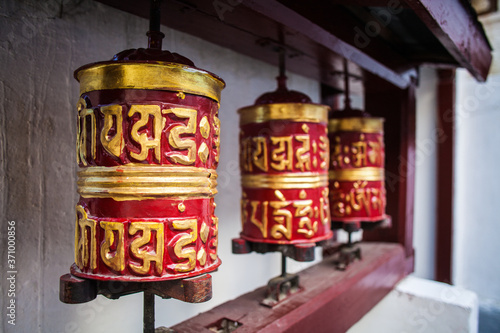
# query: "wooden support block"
{"points": [[74, 290], [192, 290], [332, 300]]}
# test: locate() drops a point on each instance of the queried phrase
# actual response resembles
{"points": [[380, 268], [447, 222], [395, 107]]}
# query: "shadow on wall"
{"points": [[489, 319]]}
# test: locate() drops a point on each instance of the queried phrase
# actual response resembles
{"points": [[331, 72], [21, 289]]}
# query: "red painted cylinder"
{"points": [[147, 148], [284, 162], [357, 190]]}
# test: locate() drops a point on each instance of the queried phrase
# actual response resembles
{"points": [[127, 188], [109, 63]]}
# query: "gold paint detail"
{"points": [[216, 136], [375, 154], [85, 255], [181, 95], [302, 153], [259, 155], [180, 248], [139, 246], [367, 173], [262, 224], [365, 125], [357, 154], [305, 128], [150, 76], [204, 127], [212, 249], [324, 154], [181, 207], [204, 230], [81, 137], [202, 256], [138, 182], [285, 181], [146, 143], [184, 143], [278, 215], [279, 195], [360, 197], [296, 112], [115, 144], [282, 157], [283, 219], [203, 152], [114, 259], [304, 210], [324, 207]]}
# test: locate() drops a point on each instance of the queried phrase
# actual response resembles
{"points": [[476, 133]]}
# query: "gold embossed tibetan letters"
{"points": [[357, 190], [147, 148], [284, 162]]}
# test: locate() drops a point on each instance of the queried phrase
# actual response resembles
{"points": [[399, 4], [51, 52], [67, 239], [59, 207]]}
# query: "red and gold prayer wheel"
{"points": [[147, 148], [284, 154], [357, 190]]}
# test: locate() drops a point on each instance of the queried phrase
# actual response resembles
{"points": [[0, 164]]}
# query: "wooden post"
{"points": [[445, 174]]}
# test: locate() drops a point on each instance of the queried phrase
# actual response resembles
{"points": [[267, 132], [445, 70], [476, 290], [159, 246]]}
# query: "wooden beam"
{"points": [[332, 301], [445, 174], [319, 39], [362, 3], [349, 24], [284, 15], [455, 24]]}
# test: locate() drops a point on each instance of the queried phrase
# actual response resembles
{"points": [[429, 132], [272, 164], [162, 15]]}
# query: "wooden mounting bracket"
{"points": [[75, 290]]}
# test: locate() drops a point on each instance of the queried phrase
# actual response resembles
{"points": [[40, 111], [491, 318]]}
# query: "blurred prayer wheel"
{"points": [[357, 190], [284, 163], [147, 148]]}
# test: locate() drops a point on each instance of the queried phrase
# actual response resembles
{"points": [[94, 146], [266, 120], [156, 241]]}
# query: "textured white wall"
{"points": [[477, 199], [40, 47]]}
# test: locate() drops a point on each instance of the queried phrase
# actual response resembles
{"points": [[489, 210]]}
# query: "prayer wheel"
{"points": [[357, 190], [147, 151], [284, 158]]}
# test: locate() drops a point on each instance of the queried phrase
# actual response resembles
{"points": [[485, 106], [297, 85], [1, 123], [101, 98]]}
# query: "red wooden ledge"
{"points": [[332, 300]]}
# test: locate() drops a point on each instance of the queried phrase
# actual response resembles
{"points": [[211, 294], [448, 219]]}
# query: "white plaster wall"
{"points": [[477, 199], [40, 47], [424, 230]]}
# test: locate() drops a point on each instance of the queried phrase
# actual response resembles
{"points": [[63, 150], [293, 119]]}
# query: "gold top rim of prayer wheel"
{"points": [[296, 112], [149, 75], [356, 124]]}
